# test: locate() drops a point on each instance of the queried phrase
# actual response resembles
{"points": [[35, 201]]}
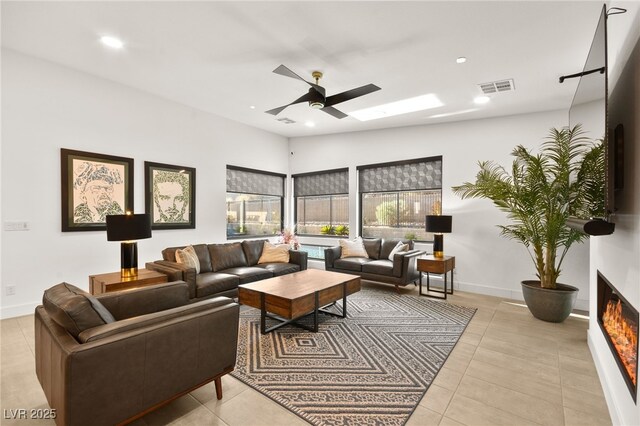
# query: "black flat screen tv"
{"points": [[589, 109]]}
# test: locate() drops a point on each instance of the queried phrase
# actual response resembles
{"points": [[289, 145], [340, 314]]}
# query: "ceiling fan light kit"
{"points": [[316, 96]]}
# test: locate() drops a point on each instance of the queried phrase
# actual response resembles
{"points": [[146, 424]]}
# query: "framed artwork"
{"points": [[170, 195], [94, 186]]}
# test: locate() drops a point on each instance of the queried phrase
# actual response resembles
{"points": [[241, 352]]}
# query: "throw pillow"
{"points": [[398, 248], [353, 248], [272, 253], [188, 258], [75, 309]]}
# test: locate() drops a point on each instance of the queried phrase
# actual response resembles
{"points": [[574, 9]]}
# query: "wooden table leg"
{"points": [[218, 382]]}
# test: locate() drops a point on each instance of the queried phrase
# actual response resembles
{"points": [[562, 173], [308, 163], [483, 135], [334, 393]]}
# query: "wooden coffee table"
{"points": [[288, 298]]}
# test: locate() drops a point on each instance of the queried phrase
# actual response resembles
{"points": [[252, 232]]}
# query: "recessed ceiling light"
{"points": [[310, 124], [252, 106], [112, 42], [404, 106], [461, 60], [481, 100]]}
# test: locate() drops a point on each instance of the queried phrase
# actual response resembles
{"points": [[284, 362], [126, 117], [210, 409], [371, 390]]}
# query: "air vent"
{"points": [[497, 86], [285, 120]]}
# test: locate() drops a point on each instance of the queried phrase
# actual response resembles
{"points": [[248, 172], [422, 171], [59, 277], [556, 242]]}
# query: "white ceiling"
{"points": [[219, 56]]}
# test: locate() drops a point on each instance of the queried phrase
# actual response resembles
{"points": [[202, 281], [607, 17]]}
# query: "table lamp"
{"points": [[438, 225], [127, 228]]}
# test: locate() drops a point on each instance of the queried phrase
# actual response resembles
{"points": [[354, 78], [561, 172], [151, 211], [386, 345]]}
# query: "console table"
{"points": [[436, 265], [113, 281]]}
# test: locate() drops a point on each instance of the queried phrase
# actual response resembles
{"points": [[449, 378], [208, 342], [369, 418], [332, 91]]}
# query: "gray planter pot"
{"points": [[547, 304]]}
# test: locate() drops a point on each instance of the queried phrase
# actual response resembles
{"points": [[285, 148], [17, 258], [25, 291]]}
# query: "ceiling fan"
{"points": [[317, 96]]}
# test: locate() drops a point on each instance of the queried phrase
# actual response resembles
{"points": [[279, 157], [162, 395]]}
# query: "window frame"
{"points": [[282, 198], [295, 199], [359, 169]]}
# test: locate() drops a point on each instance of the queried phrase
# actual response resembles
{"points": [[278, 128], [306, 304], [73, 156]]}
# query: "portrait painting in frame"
{"points": [[94, 186], [170, 195]]}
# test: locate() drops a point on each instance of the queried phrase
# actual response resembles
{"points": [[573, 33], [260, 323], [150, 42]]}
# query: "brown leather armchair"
{"points": [[112, 359]]}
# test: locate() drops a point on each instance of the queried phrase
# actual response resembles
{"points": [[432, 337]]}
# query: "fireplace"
{"points": [[619, 323]]}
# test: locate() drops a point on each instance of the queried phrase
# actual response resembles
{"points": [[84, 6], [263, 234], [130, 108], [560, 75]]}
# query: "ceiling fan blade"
{"points": [[283, 70], [303, 98], [350, 94], [332, 111]]}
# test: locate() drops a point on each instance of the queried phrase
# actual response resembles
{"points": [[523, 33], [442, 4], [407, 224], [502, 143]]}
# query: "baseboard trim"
{"points": [[18, 310], [581, 304]]}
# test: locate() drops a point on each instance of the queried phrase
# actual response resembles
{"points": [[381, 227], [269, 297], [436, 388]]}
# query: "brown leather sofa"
{"points": [[224, 266], [110, 359], [377, 267]]}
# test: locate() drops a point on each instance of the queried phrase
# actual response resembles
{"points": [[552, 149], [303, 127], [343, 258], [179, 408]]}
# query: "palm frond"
{"points": [[541, 191]]}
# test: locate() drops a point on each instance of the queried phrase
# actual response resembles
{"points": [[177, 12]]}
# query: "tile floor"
{"points": [[507, 369]]}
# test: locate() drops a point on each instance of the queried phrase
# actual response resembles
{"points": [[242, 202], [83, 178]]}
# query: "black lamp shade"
{"points": [[128, 227], [438, 224]]}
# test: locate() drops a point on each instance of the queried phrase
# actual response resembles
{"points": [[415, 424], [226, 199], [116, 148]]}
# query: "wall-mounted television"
{"points": [[589, 109]]}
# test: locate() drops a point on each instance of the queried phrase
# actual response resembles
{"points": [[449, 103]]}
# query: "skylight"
{"points": [[405, 106], [449, 114]]}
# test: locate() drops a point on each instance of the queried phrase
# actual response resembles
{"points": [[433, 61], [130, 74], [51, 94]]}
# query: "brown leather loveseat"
{"points": [[110, 359], [377, 266], [224, 266]]}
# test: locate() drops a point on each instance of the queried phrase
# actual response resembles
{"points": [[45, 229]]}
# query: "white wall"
{"points": [[46, 107], [485, 262], [618, 256]]}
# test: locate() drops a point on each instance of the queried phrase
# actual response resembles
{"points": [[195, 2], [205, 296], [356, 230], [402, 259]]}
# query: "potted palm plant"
{"points": [[539, 194]]}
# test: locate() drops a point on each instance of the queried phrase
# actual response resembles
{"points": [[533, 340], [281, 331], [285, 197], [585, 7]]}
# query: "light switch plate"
{"points": [[16, 226]]}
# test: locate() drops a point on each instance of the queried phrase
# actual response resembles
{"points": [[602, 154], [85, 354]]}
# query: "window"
{"points": [[322, 202], [255, 202], [396, 197], [314, 251]]}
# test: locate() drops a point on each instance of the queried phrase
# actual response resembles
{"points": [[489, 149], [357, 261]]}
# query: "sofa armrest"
{"points": [[173, 274], [130, 324], [330, 256], [145, 300], [404, 261], [299, 258], [176, 272]]}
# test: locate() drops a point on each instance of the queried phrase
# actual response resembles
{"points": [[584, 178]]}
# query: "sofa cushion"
{"points": [[389, 245], [215, 282], [188, 258], [372, 246], [351, 263], [278, 269], [74, 309], [249, 274], [397, 249], [252, 250], [379, 267], [274, 253], [352, 248], [225, 256], [203, 257]]}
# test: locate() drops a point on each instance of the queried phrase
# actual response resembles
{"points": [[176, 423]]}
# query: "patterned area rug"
{"points": [[373, 367]]}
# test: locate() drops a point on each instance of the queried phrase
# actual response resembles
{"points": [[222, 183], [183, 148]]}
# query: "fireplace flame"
{"points": [[623, 336]]}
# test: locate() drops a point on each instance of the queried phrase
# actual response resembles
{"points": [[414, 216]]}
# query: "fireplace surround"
{"points": [[618, 320]]}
